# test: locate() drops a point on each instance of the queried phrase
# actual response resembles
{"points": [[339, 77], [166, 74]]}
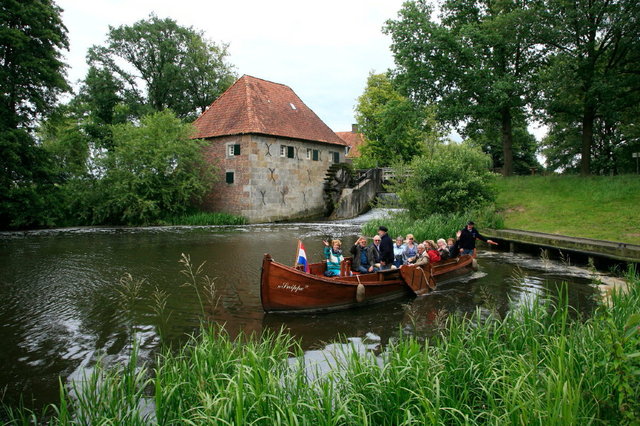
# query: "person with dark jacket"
{"points": [[386, 248], [467, 240], [363, 257]]}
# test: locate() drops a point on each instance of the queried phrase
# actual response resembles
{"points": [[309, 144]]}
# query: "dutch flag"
{"points": [[302, 257]]}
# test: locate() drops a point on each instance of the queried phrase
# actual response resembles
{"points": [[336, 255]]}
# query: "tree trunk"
{"points": [[587, 139], [507, 142]]}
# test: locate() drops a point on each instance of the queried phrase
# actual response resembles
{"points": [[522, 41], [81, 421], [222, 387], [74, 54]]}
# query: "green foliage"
{"points": [[32, 73], [154, 170], [394, 128], [158, 64], [589, 84], [487, 138], [454, 179], [435, 225], [31, 78], [477, 61], [536, 365], [206, 218]]}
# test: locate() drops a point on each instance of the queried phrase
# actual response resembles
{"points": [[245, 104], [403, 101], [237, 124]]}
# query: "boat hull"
{"points": [[287, 289]]}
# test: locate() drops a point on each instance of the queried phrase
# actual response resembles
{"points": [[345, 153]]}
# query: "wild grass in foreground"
{"points": [[600, 207], [206, 218], [535, 366], [434, 226]]}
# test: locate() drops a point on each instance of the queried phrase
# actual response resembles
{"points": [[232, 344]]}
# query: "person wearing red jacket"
{"points": [[432, 251]]}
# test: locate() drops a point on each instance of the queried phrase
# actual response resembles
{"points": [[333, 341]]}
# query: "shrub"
{"points": [[451, 179]]}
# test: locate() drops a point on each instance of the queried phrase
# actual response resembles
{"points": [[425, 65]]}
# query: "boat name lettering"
{"points": [[294, 288]]}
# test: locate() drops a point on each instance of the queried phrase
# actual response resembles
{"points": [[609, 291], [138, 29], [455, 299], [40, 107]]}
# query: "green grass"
{"points": [[535, 366], [206, 218], [600, 207]]}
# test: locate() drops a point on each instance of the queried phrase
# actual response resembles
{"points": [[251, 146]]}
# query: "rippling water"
{"points": [[62, 306]]}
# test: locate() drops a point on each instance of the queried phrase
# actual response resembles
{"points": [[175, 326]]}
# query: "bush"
{"points": [[153, 171], [451, 179]]}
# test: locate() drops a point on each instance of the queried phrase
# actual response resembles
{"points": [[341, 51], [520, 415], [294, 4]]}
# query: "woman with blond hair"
{"points": [[334, 257], [410, 250]]}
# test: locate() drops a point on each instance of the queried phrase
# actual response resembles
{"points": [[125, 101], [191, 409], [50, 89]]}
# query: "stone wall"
{"points": [[268, 186]]}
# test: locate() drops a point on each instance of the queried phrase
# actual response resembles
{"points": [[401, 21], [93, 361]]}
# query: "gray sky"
{"points": [[323, 50]]}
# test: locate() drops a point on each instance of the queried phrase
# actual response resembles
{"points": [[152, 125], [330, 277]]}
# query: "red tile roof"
{"points": [[253, 105], [354, 140]]}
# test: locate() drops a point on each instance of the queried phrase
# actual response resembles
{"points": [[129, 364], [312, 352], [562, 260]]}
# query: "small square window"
{"points": [[229, 177], [316, 155], [233, 149]]}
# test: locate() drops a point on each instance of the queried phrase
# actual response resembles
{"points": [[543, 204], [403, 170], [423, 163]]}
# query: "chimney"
{"points": [[354, 128]]}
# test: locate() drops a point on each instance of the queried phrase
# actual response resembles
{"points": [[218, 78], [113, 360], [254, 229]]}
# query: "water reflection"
{"points": [[63, 304]]}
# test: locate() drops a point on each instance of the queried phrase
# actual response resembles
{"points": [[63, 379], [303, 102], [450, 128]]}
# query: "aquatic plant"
{"points": [[537, 365], [206, 218]]}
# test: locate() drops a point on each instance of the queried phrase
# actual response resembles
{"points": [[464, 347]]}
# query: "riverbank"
{"points": [[535, 365], [597, 207]]}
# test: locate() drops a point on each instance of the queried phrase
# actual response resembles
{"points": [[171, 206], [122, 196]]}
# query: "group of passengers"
{"points": [[383, 254]]}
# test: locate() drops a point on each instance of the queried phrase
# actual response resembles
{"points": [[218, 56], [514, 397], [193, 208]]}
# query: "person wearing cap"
{"points": [[468, 237], [386, 248]]}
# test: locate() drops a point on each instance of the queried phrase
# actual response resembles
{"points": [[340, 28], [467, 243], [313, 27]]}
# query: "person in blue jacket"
{"points": [[334, 257]]}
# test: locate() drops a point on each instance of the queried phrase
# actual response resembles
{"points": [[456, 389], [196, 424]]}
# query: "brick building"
{"points": [[271, 150], [354, 141]]}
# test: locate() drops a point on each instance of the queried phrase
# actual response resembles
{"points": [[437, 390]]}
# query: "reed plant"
{"points": [[205, 219], [434, 226], [540, 364]]}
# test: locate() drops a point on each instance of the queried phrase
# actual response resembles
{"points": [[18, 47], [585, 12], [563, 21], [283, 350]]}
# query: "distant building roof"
{"points": [[253, 105], [354, 140]]}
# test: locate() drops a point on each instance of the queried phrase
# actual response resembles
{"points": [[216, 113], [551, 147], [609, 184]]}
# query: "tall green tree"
{"points": [[487, 138], [161, 65], [477, 62], [395, 129], [153, 171], [32, 37], [593, 76]]}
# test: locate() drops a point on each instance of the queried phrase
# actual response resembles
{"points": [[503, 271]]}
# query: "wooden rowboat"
{"points": [[290, 289]]}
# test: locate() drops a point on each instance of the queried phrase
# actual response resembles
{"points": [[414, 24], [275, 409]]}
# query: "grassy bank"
{"points": [[536, 366], [600, 207]]}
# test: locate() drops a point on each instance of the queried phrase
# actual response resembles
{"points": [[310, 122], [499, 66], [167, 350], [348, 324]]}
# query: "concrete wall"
{"points": [[267, 186], [356, 201]]}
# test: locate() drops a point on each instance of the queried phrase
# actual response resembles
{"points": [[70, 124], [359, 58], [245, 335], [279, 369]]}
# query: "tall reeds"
{"points": [[434, 226], [537, 365]]}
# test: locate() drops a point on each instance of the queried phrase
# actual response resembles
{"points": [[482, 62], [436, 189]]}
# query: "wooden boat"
{"points": [[290, 289]]}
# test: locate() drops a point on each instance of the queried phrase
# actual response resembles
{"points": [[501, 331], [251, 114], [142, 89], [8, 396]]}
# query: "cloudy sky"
{"points": [[323, 50]]}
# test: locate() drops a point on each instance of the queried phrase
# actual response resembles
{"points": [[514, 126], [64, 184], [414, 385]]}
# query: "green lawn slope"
{"points": [[600, 207]]}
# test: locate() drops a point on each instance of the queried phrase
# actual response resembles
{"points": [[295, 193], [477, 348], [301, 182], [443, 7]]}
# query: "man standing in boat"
{"points": [[467, 240], [386, 248]]}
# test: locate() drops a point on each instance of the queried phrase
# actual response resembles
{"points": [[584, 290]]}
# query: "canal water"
{"points": [[70, 297]]}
